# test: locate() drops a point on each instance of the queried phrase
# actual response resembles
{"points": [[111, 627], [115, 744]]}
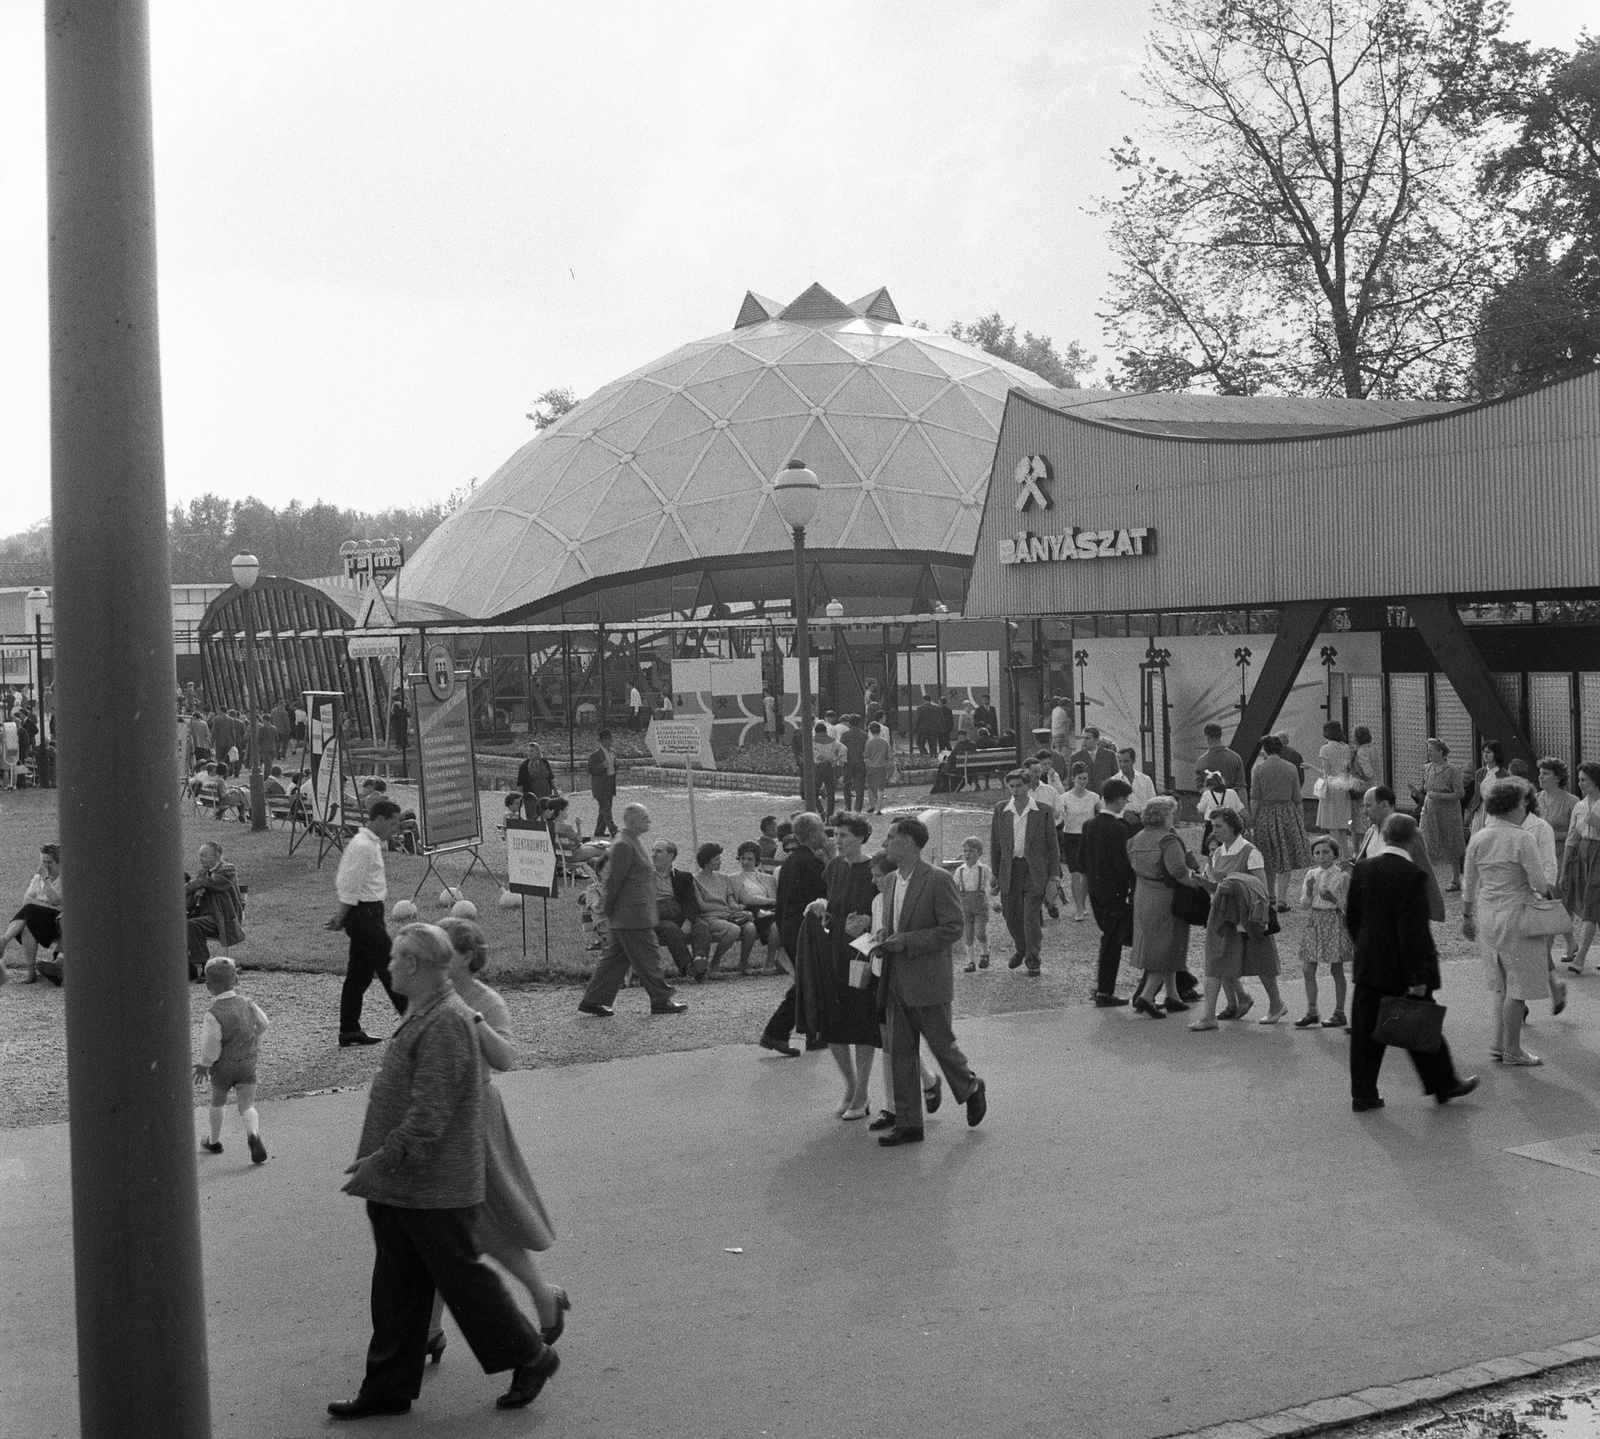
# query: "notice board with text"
{"points": [[447, 813]]}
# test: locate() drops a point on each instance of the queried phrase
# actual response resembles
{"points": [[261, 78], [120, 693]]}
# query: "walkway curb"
{"points": [[1393, 1400]]}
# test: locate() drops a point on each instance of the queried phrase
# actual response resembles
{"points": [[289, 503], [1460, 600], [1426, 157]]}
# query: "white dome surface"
{"points": [[671, 466]]}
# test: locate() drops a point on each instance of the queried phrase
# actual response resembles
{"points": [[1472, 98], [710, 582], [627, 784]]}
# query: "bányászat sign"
{"points": [[1076, 544]]}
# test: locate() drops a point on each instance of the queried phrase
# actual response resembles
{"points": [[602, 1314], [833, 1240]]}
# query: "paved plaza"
{"points": [[1152, 1232]]}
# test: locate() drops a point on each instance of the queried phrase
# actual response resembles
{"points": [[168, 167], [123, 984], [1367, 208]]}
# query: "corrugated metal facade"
{"points": [[1495, 499]]}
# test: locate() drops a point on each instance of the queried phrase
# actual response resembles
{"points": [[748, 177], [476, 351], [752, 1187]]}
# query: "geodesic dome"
{"points": [[654, 495]]}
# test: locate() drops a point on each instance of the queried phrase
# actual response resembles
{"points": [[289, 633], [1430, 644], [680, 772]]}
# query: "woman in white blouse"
{"points": [[1580, 865], [1076, 808]]}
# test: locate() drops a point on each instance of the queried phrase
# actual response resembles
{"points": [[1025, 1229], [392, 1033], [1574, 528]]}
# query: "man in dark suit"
{"points": [[922, 921], [680, 922], [1026, 857], [1110, 877], [603, 783], [984, 716], [1098, 756], [1378, 805], [628, 901], [925, 724], [1386, 913], [799, 882]]}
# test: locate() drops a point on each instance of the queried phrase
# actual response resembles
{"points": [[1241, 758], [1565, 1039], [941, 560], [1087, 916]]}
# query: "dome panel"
{"points": [[769, 443], [676, 421], [865, 346], [722, 396], [628, 496], [587, 465], [817, 382], [767, 534], [771, 396], [625, 432], [623, 549], [816, 349], [921, 525], [770, 342], [672, 466], [669, 547], [719, 527], [968, 456], [908, 355], [722, 471], [913, 390], [868, 440], [725, 360], [867, 531], [915, 469], [863, 395], [954, 410], [824, 458]]}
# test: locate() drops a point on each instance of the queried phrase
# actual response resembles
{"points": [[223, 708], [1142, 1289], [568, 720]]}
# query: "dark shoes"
{"points": [[900, 1136], [1143, 1006], [1336, 1020], [435, 1349], [1459, 1090], [210, 1147], [258, 1151], [672, 1006], [1108, 1001], [600, 1011], [1307, 1021], [364, 1406], [1033, 969], [1176, 1006], [552, 1332], [347, 1037], [1361, 1106], [528, 1379], [977, 1105], [885, 1120], [933, 1095], [1015, 962], [779, 1046]]}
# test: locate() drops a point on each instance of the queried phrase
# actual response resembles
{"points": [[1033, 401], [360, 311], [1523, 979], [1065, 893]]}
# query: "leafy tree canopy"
{"points": [[1033, 352], [551, 406]]}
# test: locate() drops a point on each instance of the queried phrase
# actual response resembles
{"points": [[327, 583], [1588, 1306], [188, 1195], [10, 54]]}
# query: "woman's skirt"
{"points": [[1280, 835], [1160, 939], [1072, 853], [512, 1216], [1580, 881], [42, 922], [1334, 809], [1516, 968], [1442, 831], [1325, 939]]}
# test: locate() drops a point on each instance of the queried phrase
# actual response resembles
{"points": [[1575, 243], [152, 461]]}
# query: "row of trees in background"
{"points": [[1356, 197], [300, 541]]}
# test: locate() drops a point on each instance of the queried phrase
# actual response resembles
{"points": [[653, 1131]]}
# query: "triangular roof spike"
{"points": [[816, 306], [877, 305], [756, 310]]}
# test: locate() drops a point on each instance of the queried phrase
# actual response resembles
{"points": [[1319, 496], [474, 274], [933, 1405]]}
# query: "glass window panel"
{"points": [[1550, 714], [1453, 724], [1408, 721], [1366, 708]]}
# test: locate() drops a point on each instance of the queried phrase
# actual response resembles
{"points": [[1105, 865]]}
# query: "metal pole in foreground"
{"points": [[802, 650], [142, 1369]]}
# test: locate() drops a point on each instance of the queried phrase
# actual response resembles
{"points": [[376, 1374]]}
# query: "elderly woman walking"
{"points": [[1503, 877], [1162, 865], [1580, 865], [511, 1222], [850, 1012], [1443, 831], [1238, 937]]}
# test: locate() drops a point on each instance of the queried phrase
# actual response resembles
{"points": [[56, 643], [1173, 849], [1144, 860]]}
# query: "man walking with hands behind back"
{"points": [[603, 784], [362, 889], [420, 1166], [628, 901], [922, 922]]}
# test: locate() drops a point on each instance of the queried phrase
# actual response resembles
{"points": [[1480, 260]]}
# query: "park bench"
{"points": [[984, 764]]}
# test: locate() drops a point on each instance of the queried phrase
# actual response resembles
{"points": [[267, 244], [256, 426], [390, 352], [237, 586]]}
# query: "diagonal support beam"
{"points": [[1298, 626], [1457, 653]]}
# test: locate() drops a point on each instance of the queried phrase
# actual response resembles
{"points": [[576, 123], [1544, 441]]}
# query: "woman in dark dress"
{"points": [[850, 1014]]}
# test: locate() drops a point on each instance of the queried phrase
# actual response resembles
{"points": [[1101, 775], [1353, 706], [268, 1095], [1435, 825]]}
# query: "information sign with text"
{"points": [[530, 858], [448, 811], [683, 741]]}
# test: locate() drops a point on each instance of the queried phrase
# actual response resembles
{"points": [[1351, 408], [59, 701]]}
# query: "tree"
{"points": [[1033, 352], [551, 406], [1320, 230], [1543, 322], [25, 557]]}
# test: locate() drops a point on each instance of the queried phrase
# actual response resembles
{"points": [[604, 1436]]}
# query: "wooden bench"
{"points": [[985, 764]]}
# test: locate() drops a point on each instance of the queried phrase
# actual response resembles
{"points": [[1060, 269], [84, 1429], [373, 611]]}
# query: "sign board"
{"points": [[447, 811], [681, 741], [374, 647], [327, 756], [439, 667], [791, 676], [530, 858], [1077, 544]]}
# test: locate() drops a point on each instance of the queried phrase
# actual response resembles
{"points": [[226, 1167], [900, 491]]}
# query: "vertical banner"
{"points": [[448, 813], [325, 734]]}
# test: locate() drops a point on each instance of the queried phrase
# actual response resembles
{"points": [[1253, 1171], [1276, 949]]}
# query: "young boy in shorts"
{"points": [[229, 1040]]}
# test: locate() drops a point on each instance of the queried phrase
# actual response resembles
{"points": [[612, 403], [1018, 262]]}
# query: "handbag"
{"points": [[1407, 1023], [1541, 918], [1320, 788], [1191, 905]]}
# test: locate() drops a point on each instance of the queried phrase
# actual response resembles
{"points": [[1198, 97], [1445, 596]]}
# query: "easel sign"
{"points": [[323, 757], [531, 868], [448, 814]]}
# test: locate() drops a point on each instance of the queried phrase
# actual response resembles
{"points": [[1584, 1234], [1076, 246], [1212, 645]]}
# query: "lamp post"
{"points": [[1081, 659], [245, 570], [1242, 657], [37, 600], [796, 493]]}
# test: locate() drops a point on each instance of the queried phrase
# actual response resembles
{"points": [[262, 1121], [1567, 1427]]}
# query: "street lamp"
{"points": [[797, 494], [245, 570], [36, 603]]}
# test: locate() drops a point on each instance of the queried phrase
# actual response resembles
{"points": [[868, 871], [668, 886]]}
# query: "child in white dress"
{"points": [[1326, 940]]}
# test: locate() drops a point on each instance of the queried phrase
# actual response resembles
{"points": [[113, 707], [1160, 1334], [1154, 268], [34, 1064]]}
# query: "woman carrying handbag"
{"points": [[1167, 899]]}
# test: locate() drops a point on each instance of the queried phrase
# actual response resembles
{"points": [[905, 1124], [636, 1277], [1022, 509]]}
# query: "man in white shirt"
{"points": [[1378, 805], [1143, 787], [1048, 798], [636, 706], [362, 888]]}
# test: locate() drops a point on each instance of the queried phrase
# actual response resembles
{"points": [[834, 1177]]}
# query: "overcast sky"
{"points": [[385, 227]]}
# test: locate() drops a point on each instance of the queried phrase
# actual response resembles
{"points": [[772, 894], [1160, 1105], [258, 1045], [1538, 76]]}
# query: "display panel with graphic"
{"points": [[447, 813]]}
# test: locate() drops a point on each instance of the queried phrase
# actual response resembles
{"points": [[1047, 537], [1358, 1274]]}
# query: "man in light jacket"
{"points": [[628, 901]]}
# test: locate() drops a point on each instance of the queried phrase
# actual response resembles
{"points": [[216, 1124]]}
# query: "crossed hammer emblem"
{"points": [[1030, 470]]}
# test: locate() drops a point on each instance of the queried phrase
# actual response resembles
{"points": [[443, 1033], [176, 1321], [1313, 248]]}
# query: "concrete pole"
{"points": [[802, 650], [142, 1368], [256, 702]]}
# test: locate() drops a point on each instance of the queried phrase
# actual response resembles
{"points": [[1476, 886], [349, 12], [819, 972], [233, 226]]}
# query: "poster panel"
{"points": [[682, 741], [530, 858], [447, 811]]}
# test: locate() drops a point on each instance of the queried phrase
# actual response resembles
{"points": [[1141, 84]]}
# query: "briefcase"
{"points": [[1407, 1023]]}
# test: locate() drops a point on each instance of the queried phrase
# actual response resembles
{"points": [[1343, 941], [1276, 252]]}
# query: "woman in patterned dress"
{"points": [[1278, 819], [1442, 830]]}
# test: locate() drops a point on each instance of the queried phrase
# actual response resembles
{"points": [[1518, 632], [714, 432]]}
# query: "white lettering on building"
{"points": [[1076, 544]]}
